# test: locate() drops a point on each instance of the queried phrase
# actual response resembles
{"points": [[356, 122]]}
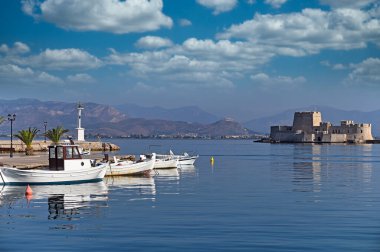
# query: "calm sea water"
{"points": [[256, 197]]}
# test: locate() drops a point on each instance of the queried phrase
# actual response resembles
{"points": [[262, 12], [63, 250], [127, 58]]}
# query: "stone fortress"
{"points": [[309, 128]]}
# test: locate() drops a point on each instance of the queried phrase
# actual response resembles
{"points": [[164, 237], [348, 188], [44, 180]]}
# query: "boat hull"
{"points": [[165, 164], [17, 176], [187, 161], [130, 168]]}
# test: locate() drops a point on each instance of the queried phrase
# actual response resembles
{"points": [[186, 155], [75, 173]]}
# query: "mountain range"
{"points": [[110, 121], [130, 119]]}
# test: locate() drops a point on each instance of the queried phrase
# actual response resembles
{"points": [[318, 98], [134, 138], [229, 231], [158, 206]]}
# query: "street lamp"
{"points": [[45, 124], [11, 118]]}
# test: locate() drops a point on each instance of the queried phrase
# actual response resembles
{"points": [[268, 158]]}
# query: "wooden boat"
{"points": [[166, 163], [143, 166], [66, 165], [184, 159]]}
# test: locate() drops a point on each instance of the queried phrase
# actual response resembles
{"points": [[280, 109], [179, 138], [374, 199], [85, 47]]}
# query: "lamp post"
{"points": [[45, 124], [11, 118]]}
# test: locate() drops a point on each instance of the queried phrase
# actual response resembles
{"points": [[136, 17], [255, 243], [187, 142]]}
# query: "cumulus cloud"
{"points": [[16, 74], [267, 81], [366, 73], [218, 6], [113, 16], [185, 22], [348, 3], [152, 42], [308, 32], [275, 3], [80, 78], [60, 59], [18, 48]]}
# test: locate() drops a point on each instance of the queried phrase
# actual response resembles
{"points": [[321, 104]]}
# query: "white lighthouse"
{"points": [[80, 130]]}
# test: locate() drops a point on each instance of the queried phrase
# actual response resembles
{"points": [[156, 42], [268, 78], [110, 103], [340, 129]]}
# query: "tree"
{"points": [[27, 137], [55, 135]]}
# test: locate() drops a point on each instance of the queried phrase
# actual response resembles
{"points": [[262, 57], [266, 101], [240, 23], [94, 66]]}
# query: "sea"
{"points": [[253, 197]]}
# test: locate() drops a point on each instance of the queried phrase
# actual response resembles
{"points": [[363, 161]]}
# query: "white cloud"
{"points": [[152, 42], [16, 74], [80, 78], [348, 3], [275, 3], [308, 32], [278, 81], [366, 73], [185, 22], [113, 16], [60, 59], [18, 48], [219, 6]]}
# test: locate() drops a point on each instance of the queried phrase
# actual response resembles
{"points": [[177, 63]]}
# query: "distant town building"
{"points": [[80, 130], [309, 128]]}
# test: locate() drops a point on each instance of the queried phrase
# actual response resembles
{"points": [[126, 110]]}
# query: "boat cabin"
{"points": [[60, 156]]}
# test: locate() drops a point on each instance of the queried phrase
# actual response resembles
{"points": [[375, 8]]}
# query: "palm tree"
{"points": [[27, 136], [55, 134]]}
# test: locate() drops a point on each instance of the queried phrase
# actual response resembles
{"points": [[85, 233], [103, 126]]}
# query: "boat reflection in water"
{"points": [[64, 201], [171, 174], [188, 171], [136, 188]]}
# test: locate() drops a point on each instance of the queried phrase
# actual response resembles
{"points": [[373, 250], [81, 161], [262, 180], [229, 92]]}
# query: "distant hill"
{"points": [[329, 114], [109, 121], [32, 113], [185, 114]]}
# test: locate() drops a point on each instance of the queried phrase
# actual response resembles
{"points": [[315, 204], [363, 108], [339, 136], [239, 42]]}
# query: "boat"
{"points": [[184, 159], [66, 165], [127, 167], [165, 162]]}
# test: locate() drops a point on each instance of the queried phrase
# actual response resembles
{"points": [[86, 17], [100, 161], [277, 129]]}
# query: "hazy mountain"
{"points": [[32, 113], [329, 114], [109, 121], [146, 127], [185, 114]]}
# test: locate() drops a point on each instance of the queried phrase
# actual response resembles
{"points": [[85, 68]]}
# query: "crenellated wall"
{"points": [[308, 127]]}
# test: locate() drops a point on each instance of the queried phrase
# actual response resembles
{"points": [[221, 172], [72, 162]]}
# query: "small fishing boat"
{"points": [[66, 165], [165, 163], [126, 167], [184, 159]]}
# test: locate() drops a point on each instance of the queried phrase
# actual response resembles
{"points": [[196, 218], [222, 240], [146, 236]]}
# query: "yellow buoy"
{"points": [[212, 160]]}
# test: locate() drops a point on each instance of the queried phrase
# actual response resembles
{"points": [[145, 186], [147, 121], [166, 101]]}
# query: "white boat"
{"points": [[166, 163], [143, 166], [184, 159], [66, 165]]}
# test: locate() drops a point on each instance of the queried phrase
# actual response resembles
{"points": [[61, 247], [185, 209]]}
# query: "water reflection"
{"points": [[314, 165], [132, 186], [167, 174], [64, 201], [188, 171]]}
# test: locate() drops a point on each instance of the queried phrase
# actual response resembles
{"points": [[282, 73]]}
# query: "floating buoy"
{"points": [[28, 190], [212, 160]]}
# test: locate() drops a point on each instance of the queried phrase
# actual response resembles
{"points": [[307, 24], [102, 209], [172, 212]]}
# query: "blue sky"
{"points": [[242, 59]]}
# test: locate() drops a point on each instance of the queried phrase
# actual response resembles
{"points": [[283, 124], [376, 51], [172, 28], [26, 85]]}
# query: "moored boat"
{"points": [[66, 165], [166, 163], [130, 167], [184, 159]]}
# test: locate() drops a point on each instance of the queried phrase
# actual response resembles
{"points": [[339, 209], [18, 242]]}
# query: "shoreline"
{"points": [[42, 146]]}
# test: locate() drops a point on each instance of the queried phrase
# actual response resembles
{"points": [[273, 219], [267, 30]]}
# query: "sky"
{"points": [[238, 58]]}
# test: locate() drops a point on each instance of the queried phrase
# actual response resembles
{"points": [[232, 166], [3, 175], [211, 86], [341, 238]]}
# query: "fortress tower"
{"points": [[80, 130], [305, 121]]}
